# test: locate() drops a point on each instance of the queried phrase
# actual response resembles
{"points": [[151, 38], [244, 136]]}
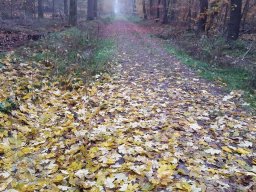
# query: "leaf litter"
{"points": [[152, 126]]}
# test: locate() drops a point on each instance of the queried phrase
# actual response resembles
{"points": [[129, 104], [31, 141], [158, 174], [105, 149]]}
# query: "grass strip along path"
{"points": [[152, 126]]}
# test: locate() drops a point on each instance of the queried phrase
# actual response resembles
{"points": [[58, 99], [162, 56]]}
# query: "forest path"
{"points": [[188, 127]]}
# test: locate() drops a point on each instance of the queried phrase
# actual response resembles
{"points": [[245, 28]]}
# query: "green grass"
{"points": [[104, 52], [7, 106], [233, 78], [2, 55], [107, 19]]}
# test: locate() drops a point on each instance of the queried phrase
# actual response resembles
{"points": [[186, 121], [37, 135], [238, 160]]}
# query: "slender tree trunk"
{"points": [[172, 10], [203, 15], [235, 19], [134, 7], [158, 9], [28, 8], [90, 10], [53, 9], [189, 15], [95, 8], [40, 9], [150, 8], [145, 16], [245, 12], [165, 10], [73, 12], [66, 8], [225, 18]]}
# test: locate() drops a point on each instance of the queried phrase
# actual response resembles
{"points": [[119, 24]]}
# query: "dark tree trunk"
{"points": [[145, 16], [66, 8], [95, 8], [150, 8], [158, 9], [90, 10], [225, 16], [73, 12], [53, 9], [235, 19], [245, 13], [172, 10], [165, 17], [134, 8], [40, 9], [203, 15]]}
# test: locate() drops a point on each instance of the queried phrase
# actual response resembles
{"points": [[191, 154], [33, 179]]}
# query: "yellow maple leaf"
{"points": [[242, 151], [226, 149], [74, 166], [58, 178], [93, 91], [184, 186], [165, 172], [2, 149]]}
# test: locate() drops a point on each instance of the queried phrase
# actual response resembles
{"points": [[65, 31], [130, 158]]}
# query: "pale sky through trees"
{"points": [[116, 7]]}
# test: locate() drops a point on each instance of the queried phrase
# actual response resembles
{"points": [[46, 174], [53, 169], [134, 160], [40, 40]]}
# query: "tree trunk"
{"points": [[40, 9], [203, 15], [189, 15], [73, 12], [235, 19], [95, 8], [90, 10], [225, 18], [245, 12], [172, 10], [66, 8], [134, 11], [28, 8], [158, 9], [165, 10], [53, 9], [145, 16], [150, 8]]}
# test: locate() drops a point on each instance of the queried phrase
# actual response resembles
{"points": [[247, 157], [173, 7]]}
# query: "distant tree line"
{"points": [[32, 9], [227, 17]]}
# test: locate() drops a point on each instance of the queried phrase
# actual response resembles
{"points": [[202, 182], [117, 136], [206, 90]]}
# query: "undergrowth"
{"points": [[233, 78], [73, 51], [134, 19]]}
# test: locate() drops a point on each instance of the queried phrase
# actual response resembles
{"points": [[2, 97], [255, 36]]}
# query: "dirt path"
{"points": [[181, 120], [152, 126]]}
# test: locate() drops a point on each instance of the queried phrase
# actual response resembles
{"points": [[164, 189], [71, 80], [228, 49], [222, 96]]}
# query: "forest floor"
{"points": [[18, 32], [154, 125]]}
